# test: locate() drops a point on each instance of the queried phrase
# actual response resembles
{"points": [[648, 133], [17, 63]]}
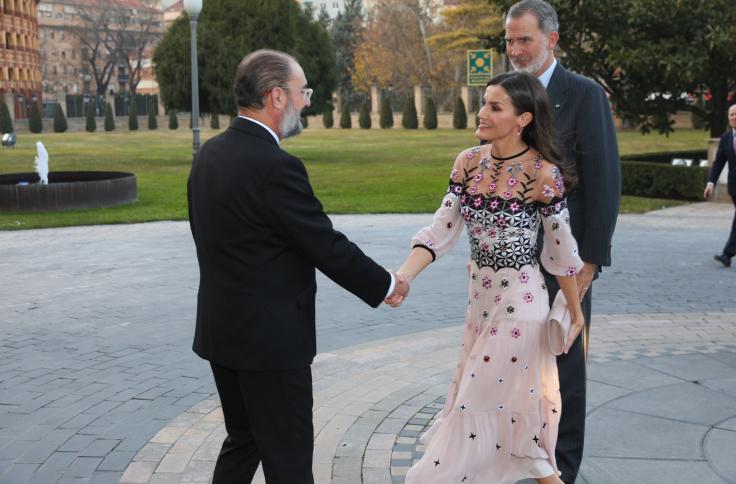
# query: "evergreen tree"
{"points": [[387, 115], [215, 121], [345, 121], [430, 114], [109, 119], [35, 125], [242, 27], [364, 116], [60, 124], [6, 123], [152, 121], [409, 114], [91, 124], [459, 115], [346, 34], [305, 121], [133, 115], [173, 122], [327, 119]]}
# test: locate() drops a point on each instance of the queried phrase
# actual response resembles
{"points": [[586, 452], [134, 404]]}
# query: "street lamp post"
{"points": [[193, 7]]}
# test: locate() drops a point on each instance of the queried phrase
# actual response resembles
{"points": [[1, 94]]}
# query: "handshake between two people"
{"points": [[401, 290]]}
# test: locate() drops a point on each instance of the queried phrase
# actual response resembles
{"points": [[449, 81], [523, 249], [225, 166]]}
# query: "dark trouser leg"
{"points": [[730, 248], [572, 371], [275, 407], [238, 459]]}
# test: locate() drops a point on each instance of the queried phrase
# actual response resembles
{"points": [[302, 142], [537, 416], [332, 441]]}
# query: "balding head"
{"points": [[258, 73]]}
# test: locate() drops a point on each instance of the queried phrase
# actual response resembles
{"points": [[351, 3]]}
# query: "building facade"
{"points": [[20, 73], [66, 67]]}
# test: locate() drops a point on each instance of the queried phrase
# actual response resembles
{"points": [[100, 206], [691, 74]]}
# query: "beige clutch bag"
{"points": [[558, 324]]}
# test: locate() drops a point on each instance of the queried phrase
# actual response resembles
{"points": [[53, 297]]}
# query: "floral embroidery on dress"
{"points": [[515, 333]]}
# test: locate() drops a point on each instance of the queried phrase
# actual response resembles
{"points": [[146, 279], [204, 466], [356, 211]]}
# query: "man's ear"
{"points": [[277, 98], [554, 37]]}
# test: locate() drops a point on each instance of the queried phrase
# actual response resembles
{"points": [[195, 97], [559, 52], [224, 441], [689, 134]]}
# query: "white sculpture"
{"points": [[42, 164]]}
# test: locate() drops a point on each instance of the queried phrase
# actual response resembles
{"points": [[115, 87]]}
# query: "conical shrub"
{"points": [[409, 114], [327, 120], [109, 118], [35, 125], [345, 121], [173, 121], [215, 121], [386, 119], [91, 123], [133, 115], [6, 122], [364, 116], [430, 114], [60, 124], [152, 121], [459, 115]]}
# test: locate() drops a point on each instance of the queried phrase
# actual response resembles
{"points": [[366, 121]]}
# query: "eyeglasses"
{"points": [[306, 91]]}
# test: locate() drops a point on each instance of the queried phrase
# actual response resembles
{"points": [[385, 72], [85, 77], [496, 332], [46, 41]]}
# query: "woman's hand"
{"points": [[576, 326]]}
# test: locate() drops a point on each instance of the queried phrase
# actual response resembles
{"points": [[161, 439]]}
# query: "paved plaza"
{"points": [[98, 382]]}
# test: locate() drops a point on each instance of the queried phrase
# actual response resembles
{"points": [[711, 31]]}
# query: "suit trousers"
{"points": [[730, 248], [268, 418], [571, 368]]}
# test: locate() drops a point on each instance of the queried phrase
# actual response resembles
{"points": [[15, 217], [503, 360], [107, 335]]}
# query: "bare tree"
{"points": [[93, 31], [117, 32], [135, 31]]}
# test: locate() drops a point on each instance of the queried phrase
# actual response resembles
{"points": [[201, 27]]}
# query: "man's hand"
{"points": [[400, 291], [585, 278], [708, 190]]}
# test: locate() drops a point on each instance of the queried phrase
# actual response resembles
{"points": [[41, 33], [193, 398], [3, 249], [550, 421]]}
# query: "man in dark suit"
{"points": [[587, 135], [260, 233], [726, 153]]}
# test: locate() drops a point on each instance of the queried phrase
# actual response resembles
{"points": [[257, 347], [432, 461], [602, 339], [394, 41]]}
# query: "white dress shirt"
{"points": [[545, 76]]}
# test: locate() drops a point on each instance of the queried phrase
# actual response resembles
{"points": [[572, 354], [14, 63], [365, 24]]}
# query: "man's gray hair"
{"points": [[545, 13], [258, 73]]}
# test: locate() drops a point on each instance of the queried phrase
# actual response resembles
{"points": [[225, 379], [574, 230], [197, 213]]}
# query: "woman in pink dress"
{"points": [[499, 423]]}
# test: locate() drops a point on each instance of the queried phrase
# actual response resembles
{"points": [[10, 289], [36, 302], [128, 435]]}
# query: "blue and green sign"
{"points": [[480, 67]]}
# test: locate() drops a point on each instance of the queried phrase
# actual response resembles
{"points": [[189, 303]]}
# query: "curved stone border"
{"points": [[372, 401], [67, 190]]}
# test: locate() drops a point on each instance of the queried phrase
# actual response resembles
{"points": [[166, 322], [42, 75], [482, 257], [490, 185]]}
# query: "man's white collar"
{"points": [[275, 136]]}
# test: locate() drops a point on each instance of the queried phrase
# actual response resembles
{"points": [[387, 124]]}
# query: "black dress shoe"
{"points": [[723, 259]]}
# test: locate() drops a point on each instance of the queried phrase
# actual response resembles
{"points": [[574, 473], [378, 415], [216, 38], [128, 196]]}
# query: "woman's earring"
{"points": [[519, 132]]}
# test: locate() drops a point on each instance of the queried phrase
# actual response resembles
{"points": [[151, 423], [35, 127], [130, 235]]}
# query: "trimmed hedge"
{"points": [[659, 180], [430, 114], [364, 116], [35, 125], [666, 156], [386, 120], [6, 123], [60, 124], [173, 122], [345, 121], [109, 119], [327, 120], [409, 119], [459, 114]]}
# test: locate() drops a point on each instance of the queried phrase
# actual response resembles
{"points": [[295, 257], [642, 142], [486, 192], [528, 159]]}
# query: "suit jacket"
{"points": [[260, 233], [587, 135], [725, 154]]}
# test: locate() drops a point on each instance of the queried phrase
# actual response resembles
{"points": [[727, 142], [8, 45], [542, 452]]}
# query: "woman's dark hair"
{"points": [[529, 96]]}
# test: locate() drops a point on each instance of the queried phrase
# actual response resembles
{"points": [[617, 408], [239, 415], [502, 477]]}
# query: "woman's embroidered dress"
{"points": [[500, 419]]}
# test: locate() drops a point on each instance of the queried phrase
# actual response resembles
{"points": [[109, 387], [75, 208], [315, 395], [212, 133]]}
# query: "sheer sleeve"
{"points": [[444, 231], [560, 249]]}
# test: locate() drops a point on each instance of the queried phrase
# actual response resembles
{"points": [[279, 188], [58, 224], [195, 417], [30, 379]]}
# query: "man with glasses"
{"points": [[260, 233]]}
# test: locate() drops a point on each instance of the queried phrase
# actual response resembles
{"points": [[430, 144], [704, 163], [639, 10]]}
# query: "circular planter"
{"points": [[66, 190]]}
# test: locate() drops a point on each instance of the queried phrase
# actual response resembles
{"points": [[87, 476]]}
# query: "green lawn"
{"points": [[356, 171]]}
